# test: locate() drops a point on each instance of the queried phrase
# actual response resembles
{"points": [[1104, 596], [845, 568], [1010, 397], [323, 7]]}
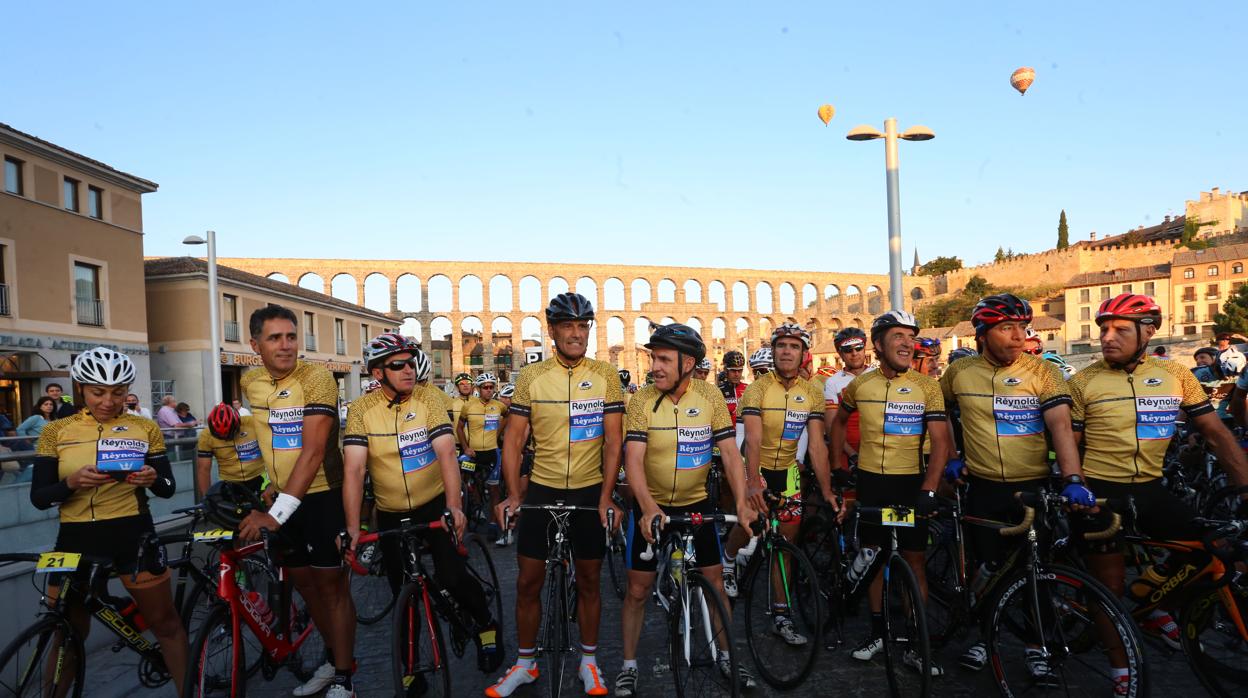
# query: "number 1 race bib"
{"points": [[585, 419], [114, 455], [903, 418], [287, 426], [1155, 416], [415, 450], [1017, 415], [693, 447]]}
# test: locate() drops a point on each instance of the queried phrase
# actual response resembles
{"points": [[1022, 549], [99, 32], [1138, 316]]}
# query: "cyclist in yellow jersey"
{"points": [[1010, 404], [703, 370], [232, 441], [479, 424], [401, 436], [574, 406], [1126, 407], [295, 410], [96, 467], [775, 412], [671, 427], [463, 394], [899, 409]]}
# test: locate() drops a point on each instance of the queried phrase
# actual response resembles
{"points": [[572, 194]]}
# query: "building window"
{"points": [[229, 313], [4, 282], [1212, 270], [1085, 332], [1189, 273], [1213, 311], [1150, 288], [71, 194], [1189, 293], [1237, 268], [1104, 293], [1085, 295], [13, 176], [87, 294], [1189, 314], [1085, 313], [1211, 291], [161, 390], [95, 202], [309, 331], [340, 337]]}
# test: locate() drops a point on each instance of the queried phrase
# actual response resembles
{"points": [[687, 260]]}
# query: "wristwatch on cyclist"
{"points": [[1073, 480]]}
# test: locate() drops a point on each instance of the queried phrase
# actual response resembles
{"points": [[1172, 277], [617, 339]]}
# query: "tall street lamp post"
{"points": [[214, 313]]}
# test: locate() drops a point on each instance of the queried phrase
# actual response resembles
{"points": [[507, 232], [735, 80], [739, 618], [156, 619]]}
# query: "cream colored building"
{"points": [[1202, 281], [1085, 293], [71, 266], [333, 331], [1222, 212]]}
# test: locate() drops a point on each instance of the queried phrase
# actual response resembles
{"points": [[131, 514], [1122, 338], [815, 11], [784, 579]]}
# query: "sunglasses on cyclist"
{"points": [[399, 365], [851, 346]]}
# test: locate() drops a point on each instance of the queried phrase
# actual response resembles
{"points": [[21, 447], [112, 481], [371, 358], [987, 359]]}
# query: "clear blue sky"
{"points": [[671, 133]]}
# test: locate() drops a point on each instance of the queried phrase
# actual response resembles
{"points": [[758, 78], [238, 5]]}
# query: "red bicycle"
{"points": [[287, 639]]}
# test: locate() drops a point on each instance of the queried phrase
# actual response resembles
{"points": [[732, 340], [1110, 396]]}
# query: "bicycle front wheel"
{"points": [[782, 613], [907, 653], [373, 596], [704, 660], [45, 659], [480, 566], [1070, 625], [555, 646], [617, 564], [218, 662], [419, 663], [1214, 648]]}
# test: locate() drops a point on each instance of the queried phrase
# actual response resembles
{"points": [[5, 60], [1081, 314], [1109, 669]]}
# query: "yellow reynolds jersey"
{"points": [[482, 423], [278, 408], [1002, 414], [893, 416], [678, 438], [1128, 419], [447, 402], [399, 438], [785, 413], [238, 460], [124, 444], [566, 409]]}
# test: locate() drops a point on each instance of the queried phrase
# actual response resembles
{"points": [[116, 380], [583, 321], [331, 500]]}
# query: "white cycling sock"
{"points": [[629, 664]]}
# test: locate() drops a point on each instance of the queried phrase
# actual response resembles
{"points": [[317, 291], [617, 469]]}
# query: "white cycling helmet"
{"points": [[891, 319], [103, 366], [761, 358], [704, 364], [507, 390], [485, 378], [423, 367], [1233, 361]]}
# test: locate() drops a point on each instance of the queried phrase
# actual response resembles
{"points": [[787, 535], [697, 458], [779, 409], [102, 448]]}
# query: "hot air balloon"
{"points": [[1022, 78], [826, 112]]}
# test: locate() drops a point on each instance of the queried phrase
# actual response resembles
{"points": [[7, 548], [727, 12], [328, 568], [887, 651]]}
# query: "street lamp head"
{"points": [[194, 240], [863, 133], [918, 133]]}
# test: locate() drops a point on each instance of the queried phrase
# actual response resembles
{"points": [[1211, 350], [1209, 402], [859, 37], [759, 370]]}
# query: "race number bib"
{"points": [[897, 517], [693, 447], [1155, 416], [57, 562], [585, 419], [287, 426], [415, 450], [114, 455], [903, 418], [1017, 415], [794, 424]]}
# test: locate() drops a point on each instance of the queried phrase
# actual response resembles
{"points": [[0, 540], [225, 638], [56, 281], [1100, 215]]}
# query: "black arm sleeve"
{"points": [[164, 487], [46, 490]]}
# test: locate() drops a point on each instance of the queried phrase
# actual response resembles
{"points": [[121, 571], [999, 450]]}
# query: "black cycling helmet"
{"points": [[847, 334], [625, 377], [994, 310], [228, 503], [569, 306], [682, 338], [734, 359]]}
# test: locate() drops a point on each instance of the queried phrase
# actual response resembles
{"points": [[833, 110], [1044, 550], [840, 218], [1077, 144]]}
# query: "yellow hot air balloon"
{"points": [[1022, 78], [826, 112]]}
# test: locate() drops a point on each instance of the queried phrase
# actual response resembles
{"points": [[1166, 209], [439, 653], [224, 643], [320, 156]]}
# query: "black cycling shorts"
{"points": [[535, 532], [706, 546], [782, 481], [993, 499], [1159, 514], [876, 490], [310, 536], [118, 541]]}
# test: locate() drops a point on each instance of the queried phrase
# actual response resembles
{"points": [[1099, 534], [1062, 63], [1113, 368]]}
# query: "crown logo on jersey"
{"points": [[586, 385], [1012, 381], [903, 390], [284, 393], [693, 411], [1152, 381], [121, 428]]}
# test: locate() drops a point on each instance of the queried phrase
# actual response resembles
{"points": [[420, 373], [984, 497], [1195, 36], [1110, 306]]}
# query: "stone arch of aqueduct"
{"points": [[733, 308]]}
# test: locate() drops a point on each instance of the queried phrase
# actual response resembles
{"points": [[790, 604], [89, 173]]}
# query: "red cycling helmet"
{"points": [[994, 310], [223, 422], [1130, 306]]}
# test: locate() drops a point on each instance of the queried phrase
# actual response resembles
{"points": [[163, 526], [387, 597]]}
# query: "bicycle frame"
{"points": [[275, 641], [1188, 581]]}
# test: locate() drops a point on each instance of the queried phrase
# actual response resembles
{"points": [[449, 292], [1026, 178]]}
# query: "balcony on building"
{"points": [[231, 331], [90, 311]]}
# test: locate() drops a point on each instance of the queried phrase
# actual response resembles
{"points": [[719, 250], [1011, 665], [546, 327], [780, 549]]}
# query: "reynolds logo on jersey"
{"points": [[287, 426], [248, 451], [1017, 415], [120, 455], [903, 418], [794, 424], [693, 447], [415, 450], [1155, 416], [585, 419]]}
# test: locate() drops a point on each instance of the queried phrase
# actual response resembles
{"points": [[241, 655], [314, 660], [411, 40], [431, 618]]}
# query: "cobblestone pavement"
{"points": [[115, 676]]}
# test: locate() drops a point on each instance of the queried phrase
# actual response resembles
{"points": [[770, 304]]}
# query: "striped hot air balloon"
{"points": [[1022, 78], [826, 113]]}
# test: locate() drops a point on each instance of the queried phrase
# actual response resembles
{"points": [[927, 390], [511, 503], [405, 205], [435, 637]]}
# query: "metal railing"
{"points": [[4, 299], [309, 342], [90, 311], [231, 330], [340, 346]]}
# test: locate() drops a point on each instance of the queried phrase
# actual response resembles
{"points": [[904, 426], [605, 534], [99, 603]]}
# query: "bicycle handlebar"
{"points": [[658, 523], [562, 507], [446, 523]]}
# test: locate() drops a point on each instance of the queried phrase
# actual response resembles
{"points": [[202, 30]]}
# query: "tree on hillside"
{"points": [[939, 266], [1063, 232], [1234, 315], [978, 286], [1000, 256]]}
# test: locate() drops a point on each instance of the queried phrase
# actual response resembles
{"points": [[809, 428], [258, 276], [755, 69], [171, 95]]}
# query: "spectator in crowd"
{"points": [[167, 415], [133, 407], [238, 407], [186, 419], [64, 403]]}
